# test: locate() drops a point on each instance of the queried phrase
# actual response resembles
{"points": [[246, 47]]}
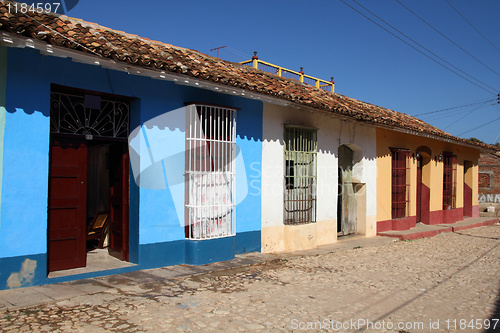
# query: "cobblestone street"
{"points": [[449, 282]]}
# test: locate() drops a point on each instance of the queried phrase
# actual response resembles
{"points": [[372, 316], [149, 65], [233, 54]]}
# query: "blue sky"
{"points": [[328, 38]]}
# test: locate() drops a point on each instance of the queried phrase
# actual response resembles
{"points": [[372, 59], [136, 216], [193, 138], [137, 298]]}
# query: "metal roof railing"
{"points": [[288, 73]]}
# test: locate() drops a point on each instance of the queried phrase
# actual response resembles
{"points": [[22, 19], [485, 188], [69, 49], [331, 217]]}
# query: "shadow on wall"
{"points": [[28, 111], [159, 152], [332, 132]]}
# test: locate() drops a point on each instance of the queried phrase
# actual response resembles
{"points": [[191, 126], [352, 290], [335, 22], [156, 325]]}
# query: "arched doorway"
{"points": [[346, 203]]}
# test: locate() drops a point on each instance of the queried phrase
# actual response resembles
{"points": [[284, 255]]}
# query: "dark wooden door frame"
{"points": [[419, 188], [79, 235], [67, 205], [119, 206]]}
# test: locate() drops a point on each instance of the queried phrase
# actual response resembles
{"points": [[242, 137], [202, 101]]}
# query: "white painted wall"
{"points": [[332, 132]]}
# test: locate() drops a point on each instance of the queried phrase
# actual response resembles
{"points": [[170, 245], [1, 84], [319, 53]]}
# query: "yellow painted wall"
{"points": [[432, 173], [471, 179], [383, 183]]}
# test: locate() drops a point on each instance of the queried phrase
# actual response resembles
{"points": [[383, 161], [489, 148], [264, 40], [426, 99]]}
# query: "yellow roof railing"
{"points": [[288, 73]]}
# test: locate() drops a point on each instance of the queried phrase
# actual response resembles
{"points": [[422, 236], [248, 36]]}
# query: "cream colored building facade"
{"points": [[332, 133], [372, 179]]}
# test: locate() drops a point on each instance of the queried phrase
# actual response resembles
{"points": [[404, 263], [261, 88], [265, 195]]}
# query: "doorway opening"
{"points": [[88, 183], [346, 202], [423, 159]]}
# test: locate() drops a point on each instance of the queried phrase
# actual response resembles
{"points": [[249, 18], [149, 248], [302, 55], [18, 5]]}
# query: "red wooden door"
{"points": [[118, 200], [419, 189], [67, 209]]}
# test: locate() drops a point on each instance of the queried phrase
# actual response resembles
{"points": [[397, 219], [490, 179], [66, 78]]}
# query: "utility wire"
{"points": [[449, 114], [498, 136], [423, 46], [239, 53], [479, 32], [451, 70], [475, 128], [439, 32], [456, 107], [57, 33], [467, 114]]}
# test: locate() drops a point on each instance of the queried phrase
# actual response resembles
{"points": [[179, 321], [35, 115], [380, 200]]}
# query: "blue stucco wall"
{"points": [[156, 220], [25, 159], [3, 113]]}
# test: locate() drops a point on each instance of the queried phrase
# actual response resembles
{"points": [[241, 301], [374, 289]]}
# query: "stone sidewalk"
{"points": [[445, 283], [31, 296]]}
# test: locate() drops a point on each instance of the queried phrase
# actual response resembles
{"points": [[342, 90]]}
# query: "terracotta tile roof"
{"points": [[127, 48]]}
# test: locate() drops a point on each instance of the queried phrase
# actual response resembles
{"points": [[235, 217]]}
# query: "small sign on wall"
{"points": [[493, 198]]}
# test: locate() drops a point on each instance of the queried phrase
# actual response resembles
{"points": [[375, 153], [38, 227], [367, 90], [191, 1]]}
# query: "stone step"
{"points": [[425, 230]]}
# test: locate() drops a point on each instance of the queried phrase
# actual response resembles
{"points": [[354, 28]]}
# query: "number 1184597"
{"points": [[35, 8], [464, 324]]}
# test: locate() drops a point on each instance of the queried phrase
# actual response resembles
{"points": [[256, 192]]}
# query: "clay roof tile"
{"points": [[71, 32]]}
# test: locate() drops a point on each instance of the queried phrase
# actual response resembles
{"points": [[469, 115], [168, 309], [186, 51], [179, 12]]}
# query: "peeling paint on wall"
{"points": [[24, 277]]}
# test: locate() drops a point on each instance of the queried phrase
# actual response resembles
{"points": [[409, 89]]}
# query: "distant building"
{"points": [[489, 183]]}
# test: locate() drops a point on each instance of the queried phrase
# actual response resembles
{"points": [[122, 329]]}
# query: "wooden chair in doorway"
{"points": [[98, 228]]}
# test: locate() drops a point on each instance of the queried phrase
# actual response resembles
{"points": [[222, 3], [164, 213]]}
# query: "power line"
{"points": [[435, 55], [448, 114], [498, 136], [479, 32], [239, 53], [456, 107], [468, 113], [475, 128], [451, 70], [58, 33], [443, 116], [439, 32]]}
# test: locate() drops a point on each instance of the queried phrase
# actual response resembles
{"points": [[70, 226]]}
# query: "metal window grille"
{"points": [[210, 172], [300, 175], [400, 182], [73, 113], [449, 181]]}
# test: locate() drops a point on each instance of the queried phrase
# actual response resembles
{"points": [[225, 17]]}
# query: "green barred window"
{"points": [[300, 175]]}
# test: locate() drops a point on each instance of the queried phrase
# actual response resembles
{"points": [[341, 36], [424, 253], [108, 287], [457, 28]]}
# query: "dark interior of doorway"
{"points": [[339, 204], [101, 175], [107, 195]]}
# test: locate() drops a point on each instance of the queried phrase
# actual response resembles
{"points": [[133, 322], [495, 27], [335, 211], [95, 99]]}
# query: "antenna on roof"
{"points": [[217, 48]]}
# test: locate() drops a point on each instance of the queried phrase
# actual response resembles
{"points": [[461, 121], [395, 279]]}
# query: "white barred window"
{"points": [[210, 171]]}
